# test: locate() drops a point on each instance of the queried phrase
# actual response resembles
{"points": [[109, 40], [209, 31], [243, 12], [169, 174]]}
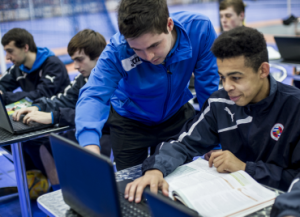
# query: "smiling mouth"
{"points": [[234, 98]]}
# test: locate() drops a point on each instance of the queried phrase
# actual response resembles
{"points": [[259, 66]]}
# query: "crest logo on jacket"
{"points": [[276, 131], [131, 62]]}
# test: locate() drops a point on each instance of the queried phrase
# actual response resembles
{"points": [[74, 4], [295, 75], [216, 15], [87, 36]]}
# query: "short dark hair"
{"points": [[137, 17], [242, 41], [21, 37], [238, 5], [91, 42]]}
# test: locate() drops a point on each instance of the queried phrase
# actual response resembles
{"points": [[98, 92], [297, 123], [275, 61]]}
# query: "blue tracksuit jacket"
{"points": [[145, 92]]}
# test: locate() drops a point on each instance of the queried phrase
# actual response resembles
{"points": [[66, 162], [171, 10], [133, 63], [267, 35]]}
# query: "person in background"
{"points": [[232, 14], [252, 117], [139, 85], [35, 69], [84, 48]]}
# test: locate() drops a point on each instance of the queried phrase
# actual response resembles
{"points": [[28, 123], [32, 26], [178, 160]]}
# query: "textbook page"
{"points": [[217, 194]]}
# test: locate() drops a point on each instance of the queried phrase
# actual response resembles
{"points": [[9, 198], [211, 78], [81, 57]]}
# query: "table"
{"points": [[6, 138], [54, 206]]}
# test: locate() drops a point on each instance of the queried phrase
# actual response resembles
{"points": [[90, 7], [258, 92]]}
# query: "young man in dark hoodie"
{"points": [[36, 70]]}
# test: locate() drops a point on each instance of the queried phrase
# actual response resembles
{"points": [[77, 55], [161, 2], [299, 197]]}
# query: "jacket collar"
{"points": [[265, 103]]}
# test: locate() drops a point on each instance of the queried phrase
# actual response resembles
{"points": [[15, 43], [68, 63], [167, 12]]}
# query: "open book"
{"points": [[217, 194]]}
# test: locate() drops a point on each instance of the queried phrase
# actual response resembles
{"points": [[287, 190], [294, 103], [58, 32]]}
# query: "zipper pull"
{"points": [[168, 71]]}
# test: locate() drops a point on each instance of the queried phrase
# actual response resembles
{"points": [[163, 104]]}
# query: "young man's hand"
{"points": [[154, 178], [225, 161], [93, 148], [39, 117], [18, 113], [208, 154]]}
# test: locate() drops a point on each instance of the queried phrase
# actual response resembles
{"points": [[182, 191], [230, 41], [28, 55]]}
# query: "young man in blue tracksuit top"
{"points": [[140, 80], [254, 118]]}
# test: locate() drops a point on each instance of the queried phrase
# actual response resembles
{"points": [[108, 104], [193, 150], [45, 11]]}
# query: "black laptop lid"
{"points": [[87, 180], [5, 122], [160, 206], [289, 47]]}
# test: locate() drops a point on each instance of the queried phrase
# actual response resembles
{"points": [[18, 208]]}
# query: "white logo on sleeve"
{"points": [[229, 112], [50, 78], [131, 62]]}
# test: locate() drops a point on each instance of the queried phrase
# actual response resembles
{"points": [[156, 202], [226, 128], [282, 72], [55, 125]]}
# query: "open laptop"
{"points": [[289, 48], [161, 206], [17, 127], [88, 182]]}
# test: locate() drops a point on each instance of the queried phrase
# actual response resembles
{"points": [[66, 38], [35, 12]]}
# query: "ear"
{"points": [[242, 16], [170, 24], [26, 47], [264, 70]]}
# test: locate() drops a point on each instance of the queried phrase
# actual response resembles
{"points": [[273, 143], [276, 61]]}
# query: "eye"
{"points": [[236, 78], [228, 15]]}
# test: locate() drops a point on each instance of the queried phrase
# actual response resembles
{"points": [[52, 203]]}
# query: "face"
{"points": [[16, 55], [83, 63], [242, 83], [230, 19], [153, 47]]}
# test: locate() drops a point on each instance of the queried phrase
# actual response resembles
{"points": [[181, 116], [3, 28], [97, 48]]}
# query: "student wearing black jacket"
{"points": [[288, 204], [36, 70], [254, 118], [84, 48]]}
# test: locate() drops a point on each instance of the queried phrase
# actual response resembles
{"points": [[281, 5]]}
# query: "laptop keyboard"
{"points": [[19, 125], [129, 209]]}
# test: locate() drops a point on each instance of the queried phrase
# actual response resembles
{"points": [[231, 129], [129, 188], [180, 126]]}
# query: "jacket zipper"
{"points": [[168, 91]]}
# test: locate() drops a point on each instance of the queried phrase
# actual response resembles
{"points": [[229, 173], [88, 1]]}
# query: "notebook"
{"points": [[88, 182], [17, 127], [289, 48], [161, 206]]}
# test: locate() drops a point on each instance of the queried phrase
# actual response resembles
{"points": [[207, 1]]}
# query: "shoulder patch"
{"points": [[131, 62], [276, 131]]}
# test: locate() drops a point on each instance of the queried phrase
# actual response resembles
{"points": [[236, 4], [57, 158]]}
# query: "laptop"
{"points": [[289, 48], [88, 183], [17, 127], [161, 206]]}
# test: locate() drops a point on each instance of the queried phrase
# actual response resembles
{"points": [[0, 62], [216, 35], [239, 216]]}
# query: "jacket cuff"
{"points": [[88, 137], [250, 168], [39, 105], [289, 212], [55, 117]]}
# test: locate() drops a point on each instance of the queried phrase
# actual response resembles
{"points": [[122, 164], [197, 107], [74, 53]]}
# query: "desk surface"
{"points": [[6, 138], [53, 204]]}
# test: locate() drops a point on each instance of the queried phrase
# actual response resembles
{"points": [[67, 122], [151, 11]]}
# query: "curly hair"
{"points": [[242, 41]]}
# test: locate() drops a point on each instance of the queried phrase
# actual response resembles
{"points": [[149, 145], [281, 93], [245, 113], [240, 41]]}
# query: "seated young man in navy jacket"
{"points": [[36, 70], [254, 118], [288, 204], [84, 48]]}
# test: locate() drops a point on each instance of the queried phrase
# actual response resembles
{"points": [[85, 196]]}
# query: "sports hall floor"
{"points": [[265, 15]]}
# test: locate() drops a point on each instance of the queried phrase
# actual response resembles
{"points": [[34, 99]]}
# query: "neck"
{"points": [[264, 91], [174, 37], [30, 58]]}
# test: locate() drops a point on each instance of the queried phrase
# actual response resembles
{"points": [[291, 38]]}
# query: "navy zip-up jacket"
{"points": [[265, 135], [288, 204], [47, 78], [63, 104]]}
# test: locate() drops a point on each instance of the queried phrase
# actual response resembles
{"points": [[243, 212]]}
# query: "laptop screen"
{"points": [[5, 122], [87, 180]]}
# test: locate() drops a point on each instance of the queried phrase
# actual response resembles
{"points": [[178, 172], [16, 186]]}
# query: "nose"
{"points": [[148, 56], [227, 85], [76, 65], [7, 56]]}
